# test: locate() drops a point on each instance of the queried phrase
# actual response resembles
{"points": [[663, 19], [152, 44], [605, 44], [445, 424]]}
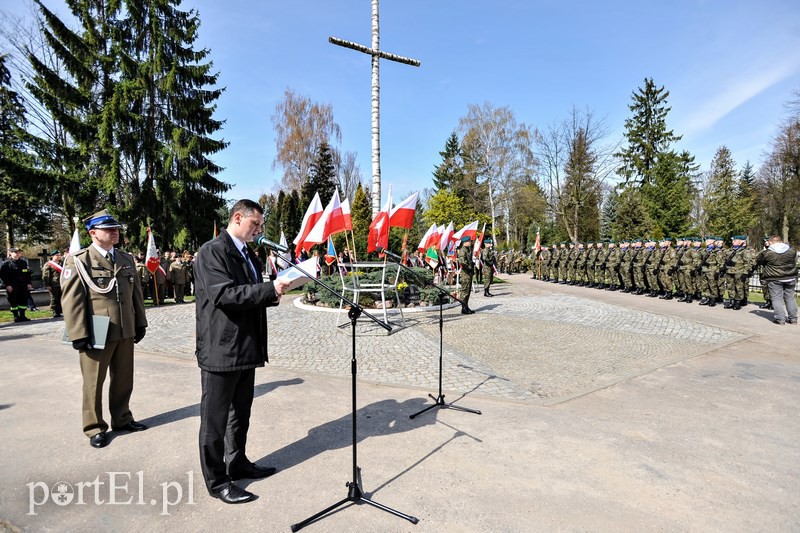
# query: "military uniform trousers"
{"points": [[55, 299], [708, 285], [465, 286], [639, 279], [665, 279], [117, 360], [737, 288], [626, 273]]}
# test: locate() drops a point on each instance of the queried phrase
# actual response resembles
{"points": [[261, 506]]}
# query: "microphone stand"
{"points": [[438, 400], [354, 493]]}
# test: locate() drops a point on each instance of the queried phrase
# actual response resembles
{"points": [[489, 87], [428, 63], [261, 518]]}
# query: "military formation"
{"points": [[690, 269]]}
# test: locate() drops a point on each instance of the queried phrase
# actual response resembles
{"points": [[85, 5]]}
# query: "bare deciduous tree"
{"points": [[301, 126]]}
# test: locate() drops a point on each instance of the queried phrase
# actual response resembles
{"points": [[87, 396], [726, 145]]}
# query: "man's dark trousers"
{"points": [[224, 420]]}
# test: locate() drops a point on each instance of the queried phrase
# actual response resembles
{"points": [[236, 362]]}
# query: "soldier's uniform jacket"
{"points": [[144, 274], [51, 276], [712, 260], [591, 257], [179, 275], [653, 260], [80, 300], [741, 261], [640, 257], [669, 259], [689, 259], [488, 258], [15, 273], [613, 258], [465, 259]]}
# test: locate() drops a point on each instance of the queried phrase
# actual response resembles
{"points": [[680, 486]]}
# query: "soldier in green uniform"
{"points": [[612, 266], [144, 275], [651, 268], [580, 264], [710, 264], [600, 266], [179, 277], [667, 264], [689, 263], [488, 264], [586, 263], [626, 255], [467, 270], [677, 275], [738, 266], [563, 256], [51, 277], [101, 281], [639, 259]]}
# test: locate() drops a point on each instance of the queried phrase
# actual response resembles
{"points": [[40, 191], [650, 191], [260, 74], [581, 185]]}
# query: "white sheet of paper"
{"points": [[297, 278]]}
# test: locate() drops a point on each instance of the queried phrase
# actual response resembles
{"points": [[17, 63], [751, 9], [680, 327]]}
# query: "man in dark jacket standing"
{"points": [[231, 317], [780, 272]]}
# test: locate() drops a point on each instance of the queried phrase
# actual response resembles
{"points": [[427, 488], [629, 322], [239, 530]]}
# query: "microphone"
{"points": [[263, 241], [394, 256]]}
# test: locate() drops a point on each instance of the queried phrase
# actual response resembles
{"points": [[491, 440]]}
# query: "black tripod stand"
{"points": [[354, 492], [439, 400]]}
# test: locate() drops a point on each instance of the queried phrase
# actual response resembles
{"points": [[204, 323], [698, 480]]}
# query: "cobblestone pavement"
{"points": [[525, 344]]}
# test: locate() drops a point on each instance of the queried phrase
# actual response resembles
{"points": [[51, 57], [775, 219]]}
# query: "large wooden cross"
{"points": [[376, 54]]}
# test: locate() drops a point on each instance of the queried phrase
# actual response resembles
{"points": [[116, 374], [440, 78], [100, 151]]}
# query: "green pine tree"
{"points": [[448, 174], [722, 204], [322, 178], [21, 185], [632, 220], [670, 195], [646, 134]]}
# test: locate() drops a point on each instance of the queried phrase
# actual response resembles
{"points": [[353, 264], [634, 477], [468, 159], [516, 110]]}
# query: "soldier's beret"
{"points": [[466, 238], [54, 252], [740, 237], [487, 240]]}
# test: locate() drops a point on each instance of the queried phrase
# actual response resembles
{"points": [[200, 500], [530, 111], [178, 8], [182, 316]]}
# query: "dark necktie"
{"points": [[252, 269], [110, 257]]}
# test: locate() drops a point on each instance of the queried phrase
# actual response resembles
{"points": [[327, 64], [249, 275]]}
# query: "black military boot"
{"points": [[737, 304], [728, 304], [688, 299], [765, 305], [668, 296], [704, 301], [712, 302], [22, 317], [16, 315], [681, 296]]}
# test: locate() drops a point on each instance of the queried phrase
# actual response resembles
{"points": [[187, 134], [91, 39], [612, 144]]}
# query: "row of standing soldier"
{"points": [[693, 269]]}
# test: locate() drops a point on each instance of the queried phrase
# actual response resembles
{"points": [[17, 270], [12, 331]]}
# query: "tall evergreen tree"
{"points": [[361, 212], [322, 176], [669, 196], [170, 81], [21, 185], [646, 134], [134, 104], [632, 220], [448, 174], [723, 206], [608, 214]]}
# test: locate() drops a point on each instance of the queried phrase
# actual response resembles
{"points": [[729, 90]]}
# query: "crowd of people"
{"points": [[693, 269]]}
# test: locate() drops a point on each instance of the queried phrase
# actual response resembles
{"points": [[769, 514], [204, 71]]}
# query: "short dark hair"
{"points": [[246, 208]]}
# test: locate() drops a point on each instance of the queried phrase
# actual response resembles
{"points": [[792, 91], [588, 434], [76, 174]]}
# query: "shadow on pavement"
{"points": [[194, 410], [385, 417]]}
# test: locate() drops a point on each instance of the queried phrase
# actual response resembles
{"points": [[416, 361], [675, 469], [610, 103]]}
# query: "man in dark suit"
{"points": [[231, 315], [101, 280]]}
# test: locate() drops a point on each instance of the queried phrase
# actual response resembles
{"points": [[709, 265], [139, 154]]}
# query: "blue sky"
{"points": [[729, 65]]}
